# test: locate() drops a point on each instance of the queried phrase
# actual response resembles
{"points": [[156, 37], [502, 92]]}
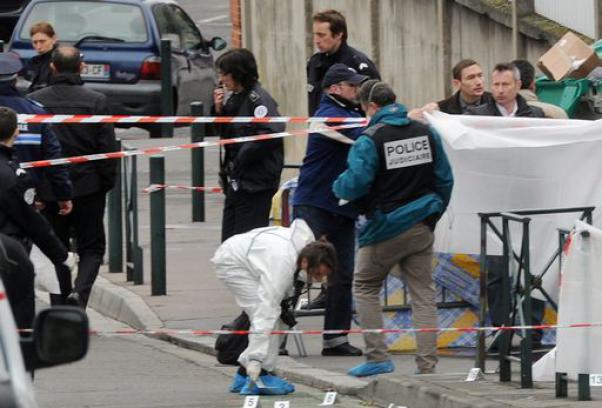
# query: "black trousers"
{"points": [[17, 274], [340, 231], [244, 211], [86, 224]]}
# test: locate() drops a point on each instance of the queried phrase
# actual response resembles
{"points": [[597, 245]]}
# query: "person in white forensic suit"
{"points": [[260, 268]]}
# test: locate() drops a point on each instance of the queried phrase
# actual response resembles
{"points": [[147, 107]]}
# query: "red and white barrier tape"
{"points": [[48, 118], [158, 187], [165, 149], [352, 331]]}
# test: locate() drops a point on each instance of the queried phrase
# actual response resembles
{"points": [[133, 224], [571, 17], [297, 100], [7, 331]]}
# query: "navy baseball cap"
{"points": [[342, 73], [10, 66]]}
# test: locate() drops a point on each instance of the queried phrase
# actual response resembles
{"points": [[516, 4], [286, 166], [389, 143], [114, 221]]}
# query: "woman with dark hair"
{"points": [[250, 171], [44, 41]]}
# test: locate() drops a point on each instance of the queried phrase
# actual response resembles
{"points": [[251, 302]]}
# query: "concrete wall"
{"points": [[410, 50], [414, 52]]}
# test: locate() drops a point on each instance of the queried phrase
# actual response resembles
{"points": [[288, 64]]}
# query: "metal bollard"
{"points": [[137, 274], [197, 134], [115, 221], [166, 87], [157, 223]]}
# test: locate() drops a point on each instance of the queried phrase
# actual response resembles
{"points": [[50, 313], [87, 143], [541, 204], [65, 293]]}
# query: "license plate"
{"points": [[96, 71]]}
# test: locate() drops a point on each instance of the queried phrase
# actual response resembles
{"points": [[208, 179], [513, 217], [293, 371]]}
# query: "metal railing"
{"points": [[516, 301]]}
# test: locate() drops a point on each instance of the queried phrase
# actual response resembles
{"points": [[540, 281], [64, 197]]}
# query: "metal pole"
{"points": [[526, 379], [157, 223], [137, 272], [115, 221], [505, 336], [197, 134], [167, 105], [129, 261], [480, 356]]}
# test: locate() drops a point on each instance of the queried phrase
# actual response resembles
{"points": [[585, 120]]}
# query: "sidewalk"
{"points": [[197, 300]]}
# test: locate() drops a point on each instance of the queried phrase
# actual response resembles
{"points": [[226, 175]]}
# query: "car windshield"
{"points": [[73, 20]]}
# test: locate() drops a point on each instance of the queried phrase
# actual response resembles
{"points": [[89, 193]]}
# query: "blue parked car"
{"points": [[120, 41], [10, 10]]}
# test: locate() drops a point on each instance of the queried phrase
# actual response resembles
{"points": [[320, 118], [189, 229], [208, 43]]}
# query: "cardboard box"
{"points": [[570, 57]]}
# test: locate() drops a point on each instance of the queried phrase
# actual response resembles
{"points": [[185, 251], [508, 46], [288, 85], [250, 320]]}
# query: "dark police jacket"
{"points": [[67, 95], [252, 166], [39, 72], [18, 219], [453, 106], [319, 63], [38, 142]]}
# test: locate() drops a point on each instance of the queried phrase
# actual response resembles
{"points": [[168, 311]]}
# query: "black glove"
{"points": [[288, 317]]}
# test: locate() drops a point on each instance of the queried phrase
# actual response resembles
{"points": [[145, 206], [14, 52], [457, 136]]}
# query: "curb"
{"points": [[124, 305], [121, 304]]}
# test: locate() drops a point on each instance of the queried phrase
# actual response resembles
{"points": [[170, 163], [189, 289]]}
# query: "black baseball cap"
{"points": [[10, 66], [342, 73]]}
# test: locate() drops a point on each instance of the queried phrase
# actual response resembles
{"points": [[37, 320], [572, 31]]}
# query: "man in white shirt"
{"points": [[505, 86]]}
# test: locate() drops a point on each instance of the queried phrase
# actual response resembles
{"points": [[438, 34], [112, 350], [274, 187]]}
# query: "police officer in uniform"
{"points": [[250, 171], [330, 38], [37, 142], [20, 226], [399, 173]]}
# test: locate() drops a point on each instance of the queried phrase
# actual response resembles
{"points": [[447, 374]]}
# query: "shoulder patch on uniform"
{"points": [[254, 96], [260, 111], [29, 195]]}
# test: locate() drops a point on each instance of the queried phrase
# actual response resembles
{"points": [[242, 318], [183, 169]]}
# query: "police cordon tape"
{"points": [[132, 119], [165, 149], [158, 187], [350, 331]]}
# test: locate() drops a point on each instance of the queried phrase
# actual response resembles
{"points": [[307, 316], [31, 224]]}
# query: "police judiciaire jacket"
{"points": [[325, 159], [67, 95], [261, 264], [38, 142], [256, 166], [399, 171], [319, 63], [18, 219]]}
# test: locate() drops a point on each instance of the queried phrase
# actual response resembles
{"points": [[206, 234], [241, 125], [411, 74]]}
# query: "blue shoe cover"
{"points": [[238, 383], [274, 385], [372, 368]]}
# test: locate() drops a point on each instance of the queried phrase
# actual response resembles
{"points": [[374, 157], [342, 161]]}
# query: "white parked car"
{"points": [[60, 336]]}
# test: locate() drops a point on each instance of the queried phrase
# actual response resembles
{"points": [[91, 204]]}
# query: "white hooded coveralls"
{"points": [[258, 267]]}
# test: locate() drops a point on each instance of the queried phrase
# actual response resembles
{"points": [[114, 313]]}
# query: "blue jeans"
{"points": [[340, 231]]}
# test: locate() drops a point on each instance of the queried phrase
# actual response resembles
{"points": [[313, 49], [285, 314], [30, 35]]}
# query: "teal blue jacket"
{"points": [[362, 168]]}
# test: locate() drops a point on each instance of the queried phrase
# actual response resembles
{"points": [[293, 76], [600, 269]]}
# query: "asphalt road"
{"points": [[136, 371]]}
